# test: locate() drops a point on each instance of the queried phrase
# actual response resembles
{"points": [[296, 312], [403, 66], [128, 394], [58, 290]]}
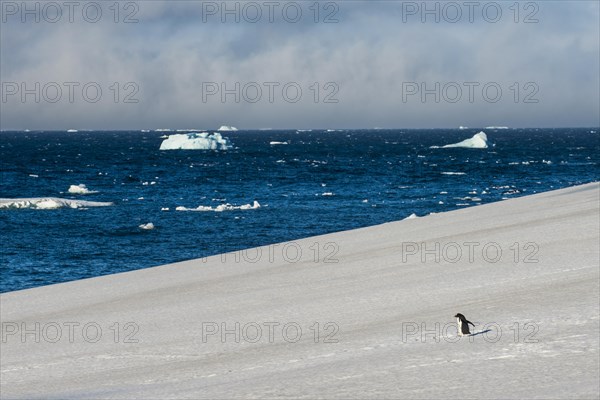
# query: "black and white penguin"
{"points": [[463, 325]]}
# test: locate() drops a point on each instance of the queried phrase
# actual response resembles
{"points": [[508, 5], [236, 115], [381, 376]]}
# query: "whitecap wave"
{"points": [[49, 203]]}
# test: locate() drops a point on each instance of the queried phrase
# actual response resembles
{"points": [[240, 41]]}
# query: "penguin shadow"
{"points": [[480, 332]]}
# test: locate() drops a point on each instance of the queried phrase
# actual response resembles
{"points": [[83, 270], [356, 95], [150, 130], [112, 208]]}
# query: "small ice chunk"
{"points": [[147, 226], [80, 189], [222, 207]]}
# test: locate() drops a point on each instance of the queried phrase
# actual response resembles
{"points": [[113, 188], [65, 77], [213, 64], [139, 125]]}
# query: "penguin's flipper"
{"points": [[469, 322]]}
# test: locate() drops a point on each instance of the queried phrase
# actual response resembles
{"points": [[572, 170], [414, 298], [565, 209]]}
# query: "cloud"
{"points": [[367, 61]]}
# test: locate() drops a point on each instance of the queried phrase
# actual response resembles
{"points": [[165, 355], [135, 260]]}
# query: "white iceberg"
{"points": [[478, 141], [147, 227], [49, 203], [273, 143], [80, 189], [222, 207], [196, 141], [225, 128]]}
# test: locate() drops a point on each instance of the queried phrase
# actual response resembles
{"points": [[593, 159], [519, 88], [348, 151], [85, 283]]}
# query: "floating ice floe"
{"points": [[222, 207], [72, 130], [225, 128], [195, 141], [147, 227], [49, 203], [496, 127], [80, 189], [453, 173], [276, 143], [478, 141]]}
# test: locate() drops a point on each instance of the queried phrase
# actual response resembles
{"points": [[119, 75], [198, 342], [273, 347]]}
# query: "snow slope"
{"points": [[375, 296]]}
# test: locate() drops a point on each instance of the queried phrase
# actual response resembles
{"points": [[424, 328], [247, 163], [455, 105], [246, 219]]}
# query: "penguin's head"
{"points": [[459, 315]]}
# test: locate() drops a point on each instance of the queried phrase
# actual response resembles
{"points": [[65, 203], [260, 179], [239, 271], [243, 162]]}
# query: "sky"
{"points": [[298, 65]]}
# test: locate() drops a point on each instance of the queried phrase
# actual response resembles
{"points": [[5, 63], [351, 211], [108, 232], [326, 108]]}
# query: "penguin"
{"points": [[463, 325]]}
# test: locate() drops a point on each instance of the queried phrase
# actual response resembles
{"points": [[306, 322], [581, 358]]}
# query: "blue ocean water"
{"points": [[321, 182]]}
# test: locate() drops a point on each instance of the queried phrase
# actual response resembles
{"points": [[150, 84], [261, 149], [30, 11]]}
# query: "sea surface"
{"points": [[318, 182]]}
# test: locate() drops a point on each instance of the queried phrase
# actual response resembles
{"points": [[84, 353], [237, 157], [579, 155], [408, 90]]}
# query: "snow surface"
{"points": [[478, 141], [195, 141], [371, 295], [49, 203]]}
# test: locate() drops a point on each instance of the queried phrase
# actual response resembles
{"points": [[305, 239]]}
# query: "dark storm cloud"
{"points": [[369, 61]]}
